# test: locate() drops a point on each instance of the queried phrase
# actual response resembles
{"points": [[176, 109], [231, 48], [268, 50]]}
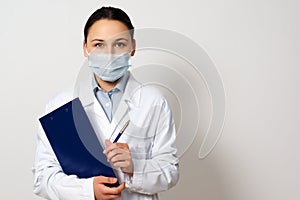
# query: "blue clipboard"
{"points": [[75, 143]]}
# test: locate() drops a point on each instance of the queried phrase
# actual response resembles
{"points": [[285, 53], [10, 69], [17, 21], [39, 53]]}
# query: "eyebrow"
{"points": [[100, 40], [121, 39]]}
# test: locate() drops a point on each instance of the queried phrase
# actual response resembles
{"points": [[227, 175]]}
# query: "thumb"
{"points": [[107, 143], [104, 179]]}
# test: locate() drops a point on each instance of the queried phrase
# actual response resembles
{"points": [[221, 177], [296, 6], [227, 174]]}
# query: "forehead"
{"points": [[105, 29]]}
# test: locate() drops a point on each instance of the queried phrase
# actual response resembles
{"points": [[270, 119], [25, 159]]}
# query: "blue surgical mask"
{"points": [[109, 67]]}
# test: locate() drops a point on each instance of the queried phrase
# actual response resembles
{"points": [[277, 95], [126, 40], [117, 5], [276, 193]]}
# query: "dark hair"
{"points": [[108, 13]]}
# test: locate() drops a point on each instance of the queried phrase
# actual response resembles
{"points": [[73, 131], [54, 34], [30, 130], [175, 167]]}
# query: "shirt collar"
{"points": [[119, 87]]}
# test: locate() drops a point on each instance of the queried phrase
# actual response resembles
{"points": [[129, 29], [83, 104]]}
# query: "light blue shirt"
{"points": [[110, 100]]}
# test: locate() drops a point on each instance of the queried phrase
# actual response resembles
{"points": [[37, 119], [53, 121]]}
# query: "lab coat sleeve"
{"points": [[161, 171], [50, 181]]}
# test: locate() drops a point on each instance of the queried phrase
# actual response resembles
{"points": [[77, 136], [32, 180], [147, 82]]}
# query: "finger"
{"points": [[120, 157], [112, 154], [107, 143], [104, 179], [116, 152], [113, 190], [113, 146], [122, 145], [122, 164], [109, 196], [121, 187], [109, 146]]}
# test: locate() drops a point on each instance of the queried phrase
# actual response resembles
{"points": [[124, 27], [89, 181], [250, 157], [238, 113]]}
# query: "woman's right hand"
{"points": [[103, 192]]}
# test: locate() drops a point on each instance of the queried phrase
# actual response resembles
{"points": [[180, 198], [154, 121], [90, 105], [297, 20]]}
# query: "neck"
{"points": [[105, 85]]}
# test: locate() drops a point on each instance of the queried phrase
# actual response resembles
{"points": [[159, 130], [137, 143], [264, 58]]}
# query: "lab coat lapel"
{"points": [[130, 98], [84, 90]]}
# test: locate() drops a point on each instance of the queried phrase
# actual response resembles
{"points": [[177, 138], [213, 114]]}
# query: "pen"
{"points": [[121, 131]]}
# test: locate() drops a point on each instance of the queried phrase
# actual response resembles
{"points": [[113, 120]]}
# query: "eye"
{"points": [[99, 45], [120, 44]]}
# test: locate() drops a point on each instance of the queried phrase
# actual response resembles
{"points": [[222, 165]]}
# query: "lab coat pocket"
{"points": [[141, 150]]}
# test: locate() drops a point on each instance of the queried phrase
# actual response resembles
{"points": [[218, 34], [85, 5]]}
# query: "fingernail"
{"points": [[113, 179]]}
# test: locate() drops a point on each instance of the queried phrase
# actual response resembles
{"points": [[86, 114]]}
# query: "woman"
{"points": [[145, 156]]}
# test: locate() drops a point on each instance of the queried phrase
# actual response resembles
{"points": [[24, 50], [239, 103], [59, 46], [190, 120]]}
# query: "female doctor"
{"points": [[144, 158]]}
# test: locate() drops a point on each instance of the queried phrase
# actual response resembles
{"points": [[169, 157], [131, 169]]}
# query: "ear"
{"points": [[84, 47], [134, 46]]}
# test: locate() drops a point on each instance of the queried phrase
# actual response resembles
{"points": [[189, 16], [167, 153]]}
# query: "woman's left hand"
{"points": [[119, 155]]}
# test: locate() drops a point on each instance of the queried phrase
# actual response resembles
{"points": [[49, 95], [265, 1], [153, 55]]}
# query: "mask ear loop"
{"points": [[86, 51]]}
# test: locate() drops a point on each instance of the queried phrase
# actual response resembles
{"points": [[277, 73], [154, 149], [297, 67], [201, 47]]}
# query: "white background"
{"points": [[255, 45]]}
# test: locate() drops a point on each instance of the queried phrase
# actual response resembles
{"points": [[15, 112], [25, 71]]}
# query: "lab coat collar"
{"points": [[130, 98], [132, 93], [84, 90]]}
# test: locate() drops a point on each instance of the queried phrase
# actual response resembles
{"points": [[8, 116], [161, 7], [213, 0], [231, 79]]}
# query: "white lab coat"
{"points": [[150, 136]]}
